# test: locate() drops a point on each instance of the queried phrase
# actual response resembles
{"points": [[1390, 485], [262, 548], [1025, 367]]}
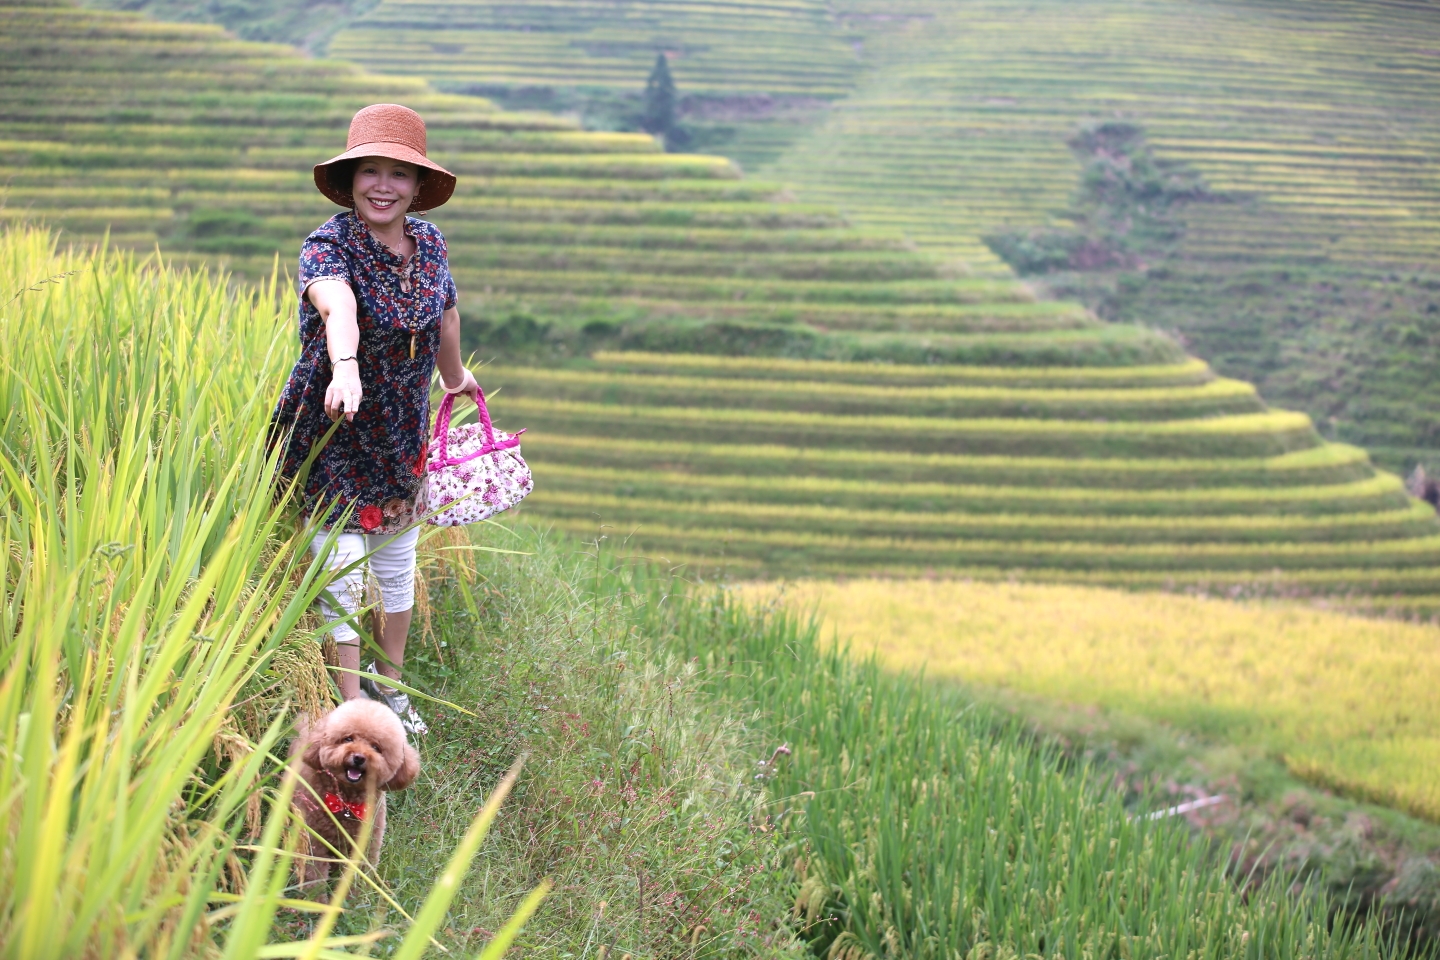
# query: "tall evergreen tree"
{"points": [[659, 118]]}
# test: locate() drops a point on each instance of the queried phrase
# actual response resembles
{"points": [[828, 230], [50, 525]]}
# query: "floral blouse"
{"points": [[375, 462]]}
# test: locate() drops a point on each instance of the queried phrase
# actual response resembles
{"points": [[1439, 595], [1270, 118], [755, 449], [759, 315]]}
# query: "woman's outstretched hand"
{"points": [[468, 387], [335, 302], [345, 392]]}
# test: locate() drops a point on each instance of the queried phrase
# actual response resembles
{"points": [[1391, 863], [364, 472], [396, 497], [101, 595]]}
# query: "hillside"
{"points": [[1320, 118], [584, 43], [1310, 271], [689, 347], [752, 74]]}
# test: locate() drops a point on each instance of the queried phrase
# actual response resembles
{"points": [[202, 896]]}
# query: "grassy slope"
{"points": [[638, 799], [1270, 706], [681, 658], [919, 878]]}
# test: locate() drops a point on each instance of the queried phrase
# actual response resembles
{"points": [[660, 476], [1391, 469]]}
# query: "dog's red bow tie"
{"points": [[342, 807]]}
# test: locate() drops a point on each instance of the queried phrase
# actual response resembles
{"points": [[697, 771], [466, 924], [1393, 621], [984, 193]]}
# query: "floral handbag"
{"points": [[476, 468]]}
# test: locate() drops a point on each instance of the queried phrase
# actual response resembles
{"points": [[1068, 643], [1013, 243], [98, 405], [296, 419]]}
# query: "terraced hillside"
{"points": [[1320, 120], [1324, 118], [1140, 475], [999, 434], [751, 73], [1311, 273], [178, 135], [715, 46]]}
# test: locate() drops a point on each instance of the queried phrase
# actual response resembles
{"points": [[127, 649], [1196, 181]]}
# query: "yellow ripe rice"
{"points": [[1348, 701]]}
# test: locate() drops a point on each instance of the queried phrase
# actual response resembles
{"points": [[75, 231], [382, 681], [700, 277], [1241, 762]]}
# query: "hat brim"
{"points": [[435, 188]]}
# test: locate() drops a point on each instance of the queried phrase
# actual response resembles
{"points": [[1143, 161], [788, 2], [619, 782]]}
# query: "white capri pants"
{"points": [[392, 564]]}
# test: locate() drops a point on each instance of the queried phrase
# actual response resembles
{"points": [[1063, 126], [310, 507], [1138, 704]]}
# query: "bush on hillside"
{"points": [[1124, 213], [661, 116]]}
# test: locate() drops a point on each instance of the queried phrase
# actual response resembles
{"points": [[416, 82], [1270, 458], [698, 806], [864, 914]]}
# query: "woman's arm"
{"points": [[336, 303], [452, 370]]}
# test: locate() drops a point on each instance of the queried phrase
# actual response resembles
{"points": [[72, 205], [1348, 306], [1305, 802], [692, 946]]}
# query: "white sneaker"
{"points": [[399, 702]]}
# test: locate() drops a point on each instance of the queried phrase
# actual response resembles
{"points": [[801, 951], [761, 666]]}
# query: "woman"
{"points": [[377, 316]]}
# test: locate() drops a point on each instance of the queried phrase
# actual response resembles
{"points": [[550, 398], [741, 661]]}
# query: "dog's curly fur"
{"points": [[356, 752]]}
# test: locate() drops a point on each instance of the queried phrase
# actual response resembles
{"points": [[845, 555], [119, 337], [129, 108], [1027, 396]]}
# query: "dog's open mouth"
{"points": [[354, 775]]}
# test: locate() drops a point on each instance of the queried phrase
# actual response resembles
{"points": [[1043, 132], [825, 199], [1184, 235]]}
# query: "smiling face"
{"points": [[362, 745], [383, 189]]}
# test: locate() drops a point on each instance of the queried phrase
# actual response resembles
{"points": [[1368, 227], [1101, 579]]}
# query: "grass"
{"points": [[637, 801], [158, 635], [1344, 700], [155, 623]]}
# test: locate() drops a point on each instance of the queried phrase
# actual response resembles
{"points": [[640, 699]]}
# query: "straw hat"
{"points": [[389, 130]]}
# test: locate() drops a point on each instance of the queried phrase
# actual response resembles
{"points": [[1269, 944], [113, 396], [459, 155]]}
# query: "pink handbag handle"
{"points": [[441, 459]]}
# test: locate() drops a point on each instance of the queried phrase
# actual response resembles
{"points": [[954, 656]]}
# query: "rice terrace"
{"points": [[984, 479]]}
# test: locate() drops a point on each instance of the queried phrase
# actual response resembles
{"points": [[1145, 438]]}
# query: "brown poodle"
{"points": [[349, 758]]}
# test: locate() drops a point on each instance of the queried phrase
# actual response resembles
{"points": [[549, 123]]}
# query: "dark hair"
{"points": [[341, 176]]}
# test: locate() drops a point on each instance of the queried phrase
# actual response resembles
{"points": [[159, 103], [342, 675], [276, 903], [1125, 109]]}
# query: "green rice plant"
{"points": [[868, 265], [721, 288], [1416, 519], [1380, 492], [1188, 373], [804, 551], [825, 237], [154, 621], [718, 328], [1255, 434], [1218, 396], [1326, 464]]}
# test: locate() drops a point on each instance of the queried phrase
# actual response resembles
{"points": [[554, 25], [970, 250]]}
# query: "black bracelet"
{"points": [[342, 359]]}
